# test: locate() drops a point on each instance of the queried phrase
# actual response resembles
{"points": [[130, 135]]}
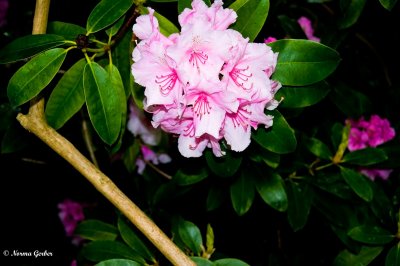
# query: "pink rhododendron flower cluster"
{"points": [[370, 133], [71, 213], [207, 83]]}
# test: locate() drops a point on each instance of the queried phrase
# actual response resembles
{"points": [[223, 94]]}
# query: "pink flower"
{"points": [[71, 213], [270, 39], [207, 83], [373, 173], [305, 24], [150, 156]]}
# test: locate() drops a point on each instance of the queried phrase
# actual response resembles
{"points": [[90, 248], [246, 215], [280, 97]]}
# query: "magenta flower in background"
{"points": [[305, 24], [150, 156], [3, 12], [71, 213], [206, 83], [370, 133], [270, 39]]}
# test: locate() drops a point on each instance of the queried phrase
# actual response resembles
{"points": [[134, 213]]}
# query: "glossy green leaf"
{"points": [[97, 251], [393, 256], [105, 13], [333, 183], [368, 234], [230, 262], [133, 241], [279, 138], [34, 76], [318, 148], [388, 4], [272, 190], [67, 30], [191, 236], [96, 230], [358, 182], [300, 197], [367, 156], [165, 25], [242, 193], [115, 28], [224, 166], [122, 59], [351, 11], [298, 97], [350, 102], [28, 46], [102, 102], [303, 62], [118, 262], [251, 16], [67, 98], [262, 155], [363, 258], [182, 4], [202, 261], [185, 177]]}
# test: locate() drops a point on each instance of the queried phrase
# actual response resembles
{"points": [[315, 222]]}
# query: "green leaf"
{"points": [[262, 155], [251, 16], [272, 190], [165, 25], [333, 183], [105, 13], [210, 239], [393, 256], [122, 59], [191, 236], [182, 4], [303, 62], [363, 258], [34, 76], [28, 46], [350, 102], [102, 102], [358, 182], [215, 198], [118, 262], [185, 177], [242, 194], [230, 262], [224, 166], [96, 230], [97, 251], [115, 28], [368, 234], [67, 30], [318, 148], [300, 197], [67, 98], [388, 4], [133, 241], [299, 97], [279, 138], [351, 9], [367, 156], [202, 261]]}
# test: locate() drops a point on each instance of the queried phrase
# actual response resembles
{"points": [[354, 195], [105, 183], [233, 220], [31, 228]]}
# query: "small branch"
{"points": [[87, 138]]}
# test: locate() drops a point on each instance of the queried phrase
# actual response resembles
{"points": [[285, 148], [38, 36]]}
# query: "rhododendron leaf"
{"points": [[333, 183], [67, 97], [185, 177], [230, 262], [269, 158], [318, 148], [202, 261], [96, 230], [34, 76], [298, 97], [191, 236], [272, 190], [105, 13], [242, 193], [300, 197], [223, 166], [351, 11], [336, 134], [133, 241], [109, 249], [393, 256], [115, 28], [251, 16], [279, 138], [67, 30], [367, 156], [182, 4], [388, 4], [215, 198], [351, 102], [358, 182], [122, 60], [381, 205], [364, 257], [118, 262], [297, 68], [368, 234], [28, 46], [165, 25], [102, 102]]}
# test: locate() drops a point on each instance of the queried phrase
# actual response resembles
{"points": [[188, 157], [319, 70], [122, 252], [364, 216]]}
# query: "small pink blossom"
{"points": [[150, 156], [270, 39], [374, 173], [70, 214], [305, 24]]}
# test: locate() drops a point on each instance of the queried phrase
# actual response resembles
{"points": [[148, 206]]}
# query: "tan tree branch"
{"points": [[35, 123]]}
